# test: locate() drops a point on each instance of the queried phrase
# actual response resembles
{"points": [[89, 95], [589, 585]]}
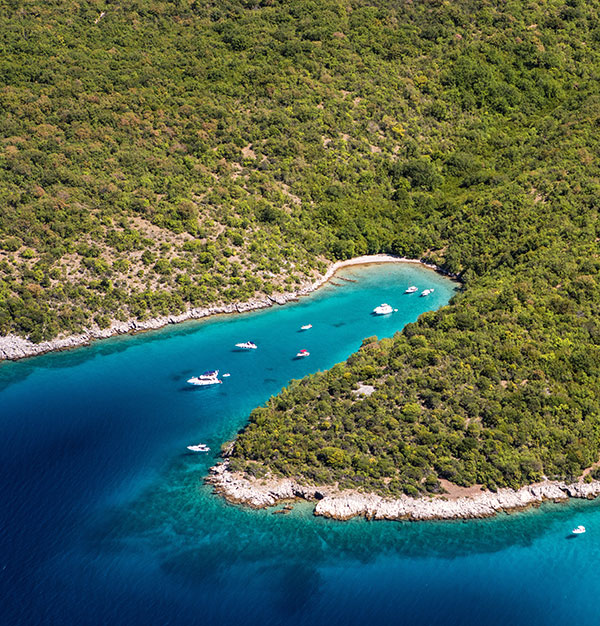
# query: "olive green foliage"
{"points": [[176, 154], [497, 179]]}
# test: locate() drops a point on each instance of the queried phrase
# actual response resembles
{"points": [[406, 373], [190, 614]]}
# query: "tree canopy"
{"points": [[162, 155]]}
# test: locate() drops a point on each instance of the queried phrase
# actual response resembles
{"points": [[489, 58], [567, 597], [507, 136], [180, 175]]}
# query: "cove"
{"points": [[105, 518]]}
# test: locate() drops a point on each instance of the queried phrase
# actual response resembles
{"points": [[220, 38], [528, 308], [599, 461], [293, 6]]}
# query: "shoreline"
{"points": [[14, 347], [342, 505]]}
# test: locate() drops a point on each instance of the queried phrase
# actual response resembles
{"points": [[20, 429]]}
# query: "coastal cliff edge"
{"points": [[338, 504]]}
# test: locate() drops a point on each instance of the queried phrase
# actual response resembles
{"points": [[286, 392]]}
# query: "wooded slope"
{"points": [[167, 155]]}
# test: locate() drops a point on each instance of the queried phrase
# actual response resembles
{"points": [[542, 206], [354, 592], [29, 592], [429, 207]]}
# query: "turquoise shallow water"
{"points": [[105, 520]]}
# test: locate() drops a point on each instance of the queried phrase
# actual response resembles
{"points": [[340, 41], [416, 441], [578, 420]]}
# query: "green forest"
{"points": [[158, 156]]}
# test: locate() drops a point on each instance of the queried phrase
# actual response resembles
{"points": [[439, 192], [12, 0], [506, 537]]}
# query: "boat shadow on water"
{"points": [[179, 375]]}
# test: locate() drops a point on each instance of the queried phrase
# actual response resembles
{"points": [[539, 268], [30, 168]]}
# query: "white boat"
{"points": [[383, 309], [246, 345], [201, 447], [306, 327], [412, 289], [302, 353], [226, 375], [207, 378], [426, 292], [579, 530]]}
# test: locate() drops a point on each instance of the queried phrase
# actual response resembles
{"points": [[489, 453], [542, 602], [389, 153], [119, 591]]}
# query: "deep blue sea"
{"points": [[104, 518]]}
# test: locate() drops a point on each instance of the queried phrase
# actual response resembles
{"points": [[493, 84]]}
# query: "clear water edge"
{"points": [[106, 518]]}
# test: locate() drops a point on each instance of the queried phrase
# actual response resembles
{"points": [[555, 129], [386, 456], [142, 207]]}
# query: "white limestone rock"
{"points": [[343, 505]]}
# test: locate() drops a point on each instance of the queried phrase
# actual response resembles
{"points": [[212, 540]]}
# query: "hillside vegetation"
{"points": [[167, 155]]}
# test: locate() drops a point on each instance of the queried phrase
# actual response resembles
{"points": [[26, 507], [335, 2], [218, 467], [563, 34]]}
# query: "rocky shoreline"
{"points": [[342, 505], [13, 347]]}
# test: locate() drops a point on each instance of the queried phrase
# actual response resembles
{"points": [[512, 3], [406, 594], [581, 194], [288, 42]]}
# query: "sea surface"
{"points": [[104, 517]]}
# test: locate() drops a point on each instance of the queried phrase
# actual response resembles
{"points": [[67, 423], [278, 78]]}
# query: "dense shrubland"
{"points": [[177, 154]]}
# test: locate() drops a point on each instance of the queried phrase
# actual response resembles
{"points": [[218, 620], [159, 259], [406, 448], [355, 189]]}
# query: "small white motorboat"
{"points": [[226, 375], [426, 292], [207, 378], [306, 327], [412, 289], [579, 530], [302, 353], [383, 309], [201, 447], [246, 345]]}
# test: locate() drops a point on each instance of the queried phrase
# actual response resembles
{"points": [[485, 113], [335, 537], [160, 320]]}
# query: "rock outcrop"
{"points": [[258, 493], [345, 504]]}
